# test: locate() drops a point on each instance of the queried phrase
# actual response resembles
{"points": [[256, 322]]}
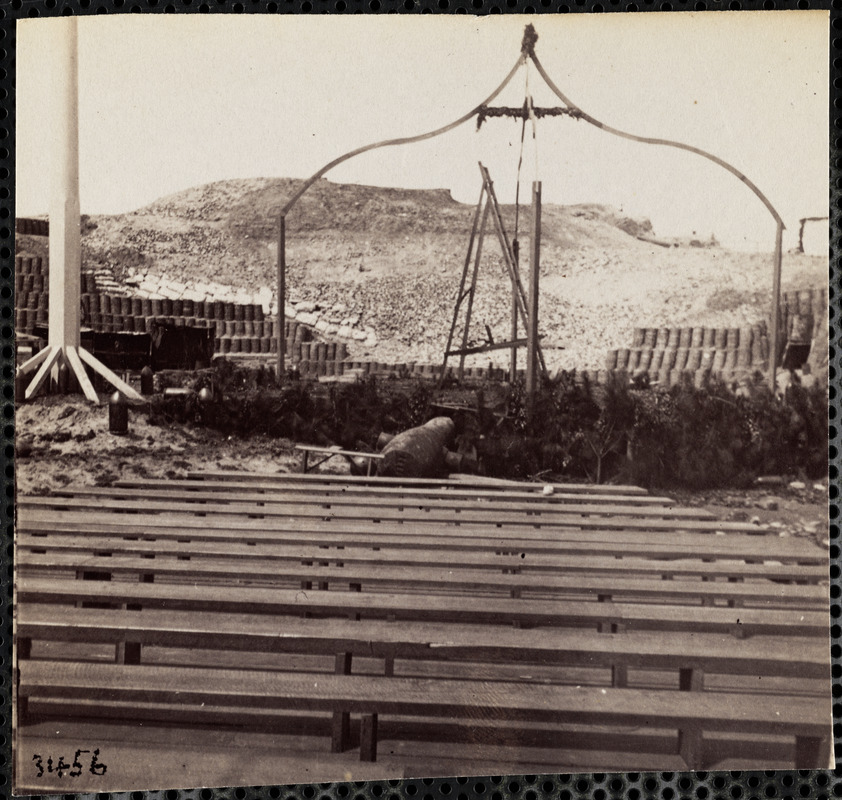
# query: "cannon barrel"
{"points": [[418, 452]]}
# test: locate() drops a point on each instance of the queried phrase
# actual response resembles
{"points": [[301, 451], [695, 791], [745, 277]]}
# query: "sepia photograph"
{"points": [[404, 396]]}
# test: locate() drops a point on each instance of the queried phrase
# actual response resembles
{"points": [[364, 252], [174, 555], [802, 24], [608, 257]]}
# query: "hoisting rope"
{"points": [[526, 113], [515, 241]]}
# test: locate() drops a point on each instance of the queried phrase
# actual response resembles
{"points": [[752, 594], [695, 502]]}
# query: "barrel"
{"points": [[611, 360], [650, 336], [697, 337], [622, 358], [800, 329], [657, 360], [637, 337], [694, 360], [733, 338], [685, 337]]}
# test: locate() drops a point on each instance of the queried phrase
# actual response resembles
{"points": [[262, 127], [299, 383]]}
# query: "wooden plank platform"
{"points": [[375, 610], [462, 482], [330, 488], [788, 657], [328, 532], [665, 564], [740, 622], [591, 517], [538, 505], [763, 594]]}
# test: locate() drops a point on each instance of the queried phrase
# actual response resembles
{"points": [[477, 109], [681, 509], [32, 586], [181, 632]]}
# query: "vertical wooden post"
{"points": [[282, 278], [776, 299], [513, 359], [65, 237], [532, 315], [341, 727]]}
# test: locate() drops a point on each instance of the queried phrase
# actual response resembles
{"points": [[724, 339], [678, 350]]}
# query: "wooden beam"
{"points": [[282, 270], [486, 348], [33, 362], [472, 292], [106, 373], [532, 312], [462, 293], [53, 355], [776, 309], [82, 376]]}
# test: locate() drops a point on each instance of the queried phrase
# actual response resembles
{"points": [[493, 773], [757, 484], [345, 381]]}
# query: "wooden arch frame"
{"points": [[530, 37]]}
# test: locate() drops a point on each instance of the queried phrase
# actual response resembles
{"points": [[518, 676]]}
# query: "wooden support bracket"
{"points": [[341, 727], [368, 738]]}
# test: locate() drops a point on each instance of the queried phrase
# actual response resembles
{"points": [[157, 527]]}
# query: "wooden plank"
{"points": [[463, 482], [548, 508], [729, 712], [489, 515], [638, 616], [466, 581], [333, 451], [333, 488], [247, 553], [788, 657], [487, 348], [635, 543]]}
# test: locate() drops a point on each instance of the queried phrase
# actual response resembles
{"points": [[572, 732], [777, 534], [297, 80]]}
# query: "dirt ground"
{"points": [[64, 440]]}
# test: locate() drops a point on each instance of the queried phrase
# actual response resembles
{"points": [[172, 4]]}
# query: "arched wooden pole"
{"points": [[779, 223], [403, 140], [346, 157]]}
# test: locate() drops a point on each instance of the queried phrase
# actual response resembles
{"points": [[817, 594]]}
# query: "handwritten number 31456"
{"points": [[75, 769]]}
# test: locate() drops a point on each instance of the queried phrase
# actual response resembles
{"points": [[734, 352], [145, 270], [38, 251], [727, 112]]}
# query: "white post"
{"points": [[65, 236], [65, 242]]}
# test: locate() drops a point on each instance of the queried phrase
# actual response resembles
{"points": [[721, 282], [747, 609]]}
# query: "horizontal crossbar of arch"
{"points": [[483, 110]]}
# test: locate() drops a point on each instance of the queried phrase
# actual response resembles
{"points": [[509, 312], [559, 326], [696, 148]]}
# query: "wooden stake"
{"points": [[776, 300], [461, 294], [532, 314], [513, 364], [282, 270], [472, 291]]}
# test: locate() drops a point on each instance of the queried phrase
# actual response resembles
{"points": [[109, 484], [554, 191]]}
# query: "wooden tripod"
{"points": [[523, 307]]}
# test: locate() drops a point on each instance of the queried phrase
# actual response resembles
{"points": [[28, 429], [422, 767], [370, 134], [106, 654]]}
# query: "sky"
{"points": [[167, 102]]}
